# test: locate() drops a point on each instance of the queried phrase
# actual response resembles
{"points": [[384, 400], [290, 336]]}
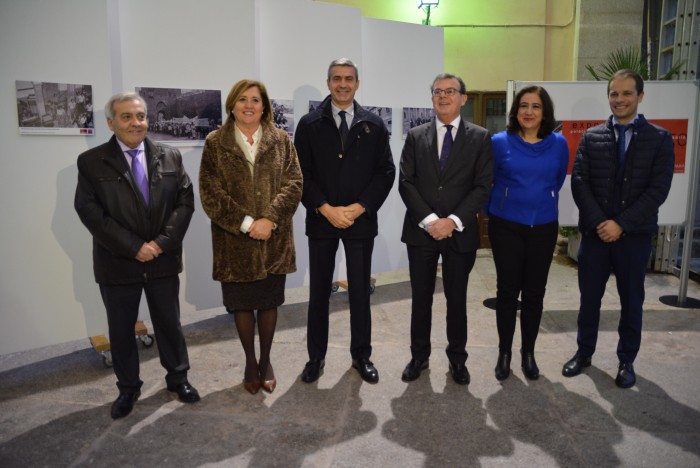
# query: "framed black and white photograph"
{"points": [[384, 112], [181, 117], [313, 105], [54, 108], [283, 115], [415, 116]]}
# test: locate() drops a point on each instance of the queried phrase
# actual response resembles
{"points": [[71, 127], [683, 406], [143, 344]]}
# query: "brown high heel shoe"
{"points": [[252, 387], [269, 385]]}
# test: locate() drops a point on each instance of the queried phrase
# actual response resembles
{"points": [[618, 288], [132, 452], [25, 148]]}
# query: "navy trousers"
{"points": [[627, 258], [358, 257]]}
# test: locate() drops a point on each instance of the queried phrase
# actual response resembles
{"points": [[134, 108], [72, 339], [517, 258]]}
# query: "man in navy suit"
{"points": [[621, 176], [446, 172], [348, 171]]}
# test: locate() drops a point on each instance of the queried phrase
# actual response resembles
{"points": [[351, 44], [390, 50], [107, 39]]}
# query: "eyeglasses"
{"points": [[447, 92]]}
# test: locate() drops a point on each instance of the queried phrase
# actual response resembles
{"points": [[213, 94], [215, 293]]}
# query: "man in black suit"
{"points": [[446, 172], [136, 200], [348, 172]]}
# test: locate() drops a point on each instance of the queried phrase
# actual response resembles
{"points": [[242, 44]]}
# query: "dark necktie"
{"points": [[446, 147], [621, 142], [343, 126], [139, 174]]}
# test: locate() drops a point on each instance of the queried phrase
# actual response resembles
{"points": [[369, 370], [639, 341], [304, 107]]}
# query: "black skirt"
{"points": [[262, 294]]}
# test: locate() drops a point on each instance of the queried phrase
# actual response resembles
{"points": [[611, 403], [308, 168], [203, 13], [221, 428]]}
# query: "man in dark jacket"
{"points": [[136, 200], [348, 172], [621, 176], [446, 173]]}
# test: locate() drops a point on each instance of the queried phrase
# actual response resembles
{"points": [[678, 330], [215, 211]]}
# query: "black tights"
{"points": [[245, 324]]}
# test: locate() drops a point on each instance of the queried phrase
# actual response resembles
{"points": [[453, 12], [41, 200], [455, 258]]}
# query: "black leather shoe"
{"points": [[503, 365], [366, 369], [123, 405], [529, 366], [460, 374], [413, 369], [575, 365], [185, 392], [625, 375], [312, 370]]}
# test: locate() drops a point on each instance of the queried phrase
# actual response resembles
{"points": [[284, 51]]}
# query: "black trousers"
{"points": [[522, 255], [627, 258], [122, 304], [422, 266], [358, 256]]}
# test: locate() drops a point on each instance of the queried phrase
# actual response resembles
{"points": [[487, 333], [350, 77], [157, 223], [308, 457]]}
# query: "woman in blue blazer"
{"points": [[530, 164]]}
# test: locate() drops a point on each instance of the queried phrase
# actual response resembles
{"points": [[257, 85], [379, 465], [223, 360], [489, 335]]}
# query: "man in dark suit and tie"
{"points": [[136, 200], [446, 172], [348, 172]]}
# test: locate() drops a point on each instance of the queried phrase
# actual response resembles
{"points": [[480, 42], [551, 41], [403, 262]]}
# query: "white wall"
{"points": [[47, 290], [46, 287]]}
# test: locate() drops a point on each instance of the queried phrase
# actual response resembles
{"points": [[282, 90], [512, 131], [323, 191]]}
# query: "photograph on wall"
{"points": [[383, 112], [415, 116], [313, 105], [54, 108], [181, 117], [283, 115]]}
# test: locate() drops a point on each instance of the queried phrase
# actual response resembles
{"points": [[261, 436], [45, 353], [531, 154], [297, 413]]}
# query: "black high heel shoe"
{"points": [[529, 366], [503, 365]]}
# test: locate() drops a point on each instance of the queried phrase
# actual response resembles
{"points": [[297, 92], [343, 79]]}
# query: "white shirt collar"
{"points": [[350, 110], [455, 123], [617, 122], [125, 148]]}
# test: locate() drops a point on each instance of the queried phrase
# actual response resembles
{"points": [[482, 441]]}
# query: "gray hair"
{"points": [[450, 76], [122, 97], [343, 62]]}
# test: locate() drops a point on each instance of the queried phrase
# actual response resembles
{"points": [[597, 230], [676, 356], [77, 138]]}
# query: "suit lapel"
{"points": [[431, 138], [152, 155], [115, 158]]}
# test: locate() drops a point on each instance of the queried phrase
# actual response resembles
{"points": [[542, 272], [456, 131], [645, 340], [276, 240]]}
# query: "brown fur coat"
{"points": [[229, 192]]}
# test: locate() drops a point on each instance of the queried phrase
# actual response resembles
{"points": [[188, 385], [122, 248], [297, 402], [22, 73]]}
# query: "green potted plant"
{"points": [[574, 240], [628, 58]]}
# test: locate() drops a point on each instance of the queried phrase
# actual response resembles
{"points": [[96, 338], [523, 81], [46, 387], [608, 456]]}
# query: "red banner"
{"points": [[573, 130]]}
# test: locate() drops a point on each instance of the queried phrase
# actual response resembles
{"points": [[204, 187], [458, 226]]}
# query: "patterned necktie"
{"points": [[446, 147], [343, 126], [621, 142], [139, 174]]}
